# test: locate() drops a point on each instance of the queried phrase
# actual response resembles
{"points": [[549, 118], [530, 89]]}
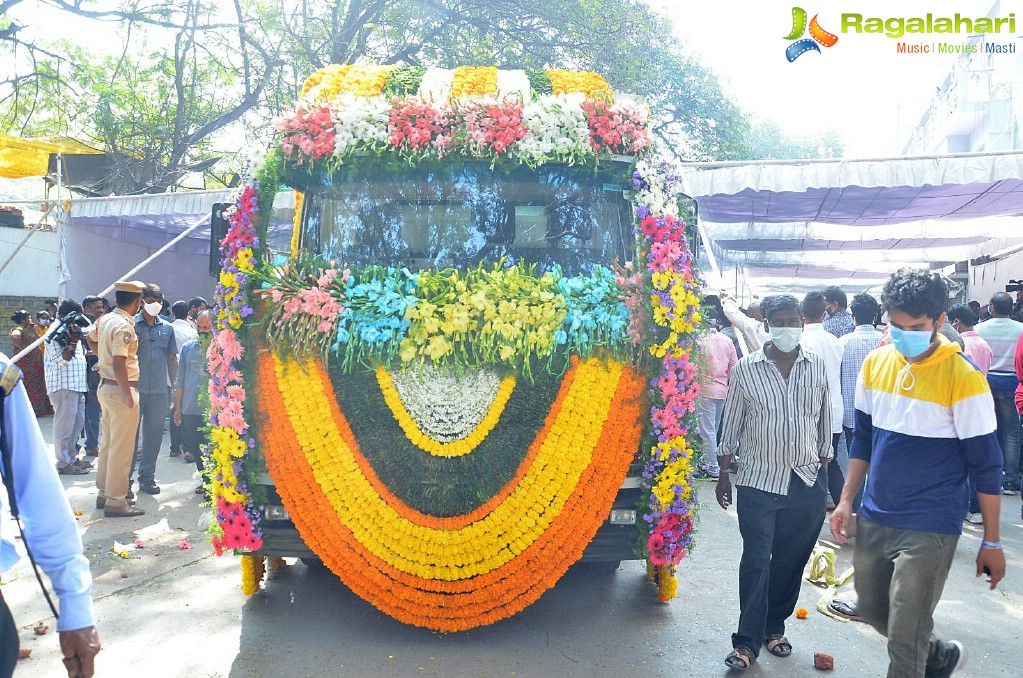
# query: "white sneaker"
{"points": [[961, 661], [712, 472], [974, 518]]}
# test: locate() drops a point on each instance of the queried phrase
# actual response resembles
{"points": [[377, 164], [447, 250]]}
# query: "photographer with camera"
{"points": [[66, 385]]}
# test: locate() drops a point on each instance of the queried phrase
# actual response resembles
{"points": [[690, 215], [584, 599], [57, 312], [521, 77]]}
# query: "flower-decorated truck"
{"points": [[474, 367]]}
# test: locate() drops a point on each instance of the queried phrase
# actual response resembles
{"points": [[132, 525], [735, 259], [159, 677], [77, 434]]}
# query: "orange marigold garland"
{"points": [[465, 603]]}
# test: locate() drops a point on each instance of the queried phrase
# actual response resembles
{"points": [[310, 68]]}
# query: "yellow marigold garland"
{"points": [[253, 570], [330, 72], [421, 440], [473, 82], [334, 80], [462, 604], [482, 546], [588, 83], [297, 219]]}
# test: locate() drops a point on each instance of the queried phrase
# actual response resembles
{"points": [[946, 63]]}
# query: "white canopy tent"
{"points": [[795, 225], [103, 238]]}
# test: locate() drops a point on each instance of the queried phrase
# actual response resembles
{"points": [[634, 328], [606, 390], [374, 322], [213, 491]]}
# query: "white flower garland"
{"points": [[662, 176], [436, 85], [359, 122], [446, 405], [512, 85], [556, 129]]}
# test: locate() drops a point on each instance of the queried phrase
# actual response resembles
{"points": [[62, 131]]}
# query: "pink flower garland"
{"points": [[617, 128], [307, 136], [418, 127], [492, 128], [227, 387]]}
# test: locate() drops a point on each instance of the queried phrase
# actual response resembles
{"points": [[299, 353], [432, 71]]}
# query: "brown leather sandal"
{"points": [[778, 645], [740, 658]]}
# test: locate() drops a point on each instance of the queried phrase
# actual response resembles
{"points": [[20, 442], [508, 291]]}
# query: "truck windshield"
{"points": [[459, 214]]}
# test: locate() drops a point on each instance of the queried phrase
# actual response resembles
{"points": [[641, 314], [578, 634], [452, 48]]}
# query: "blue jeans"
{"points": [[1008, 435], [153, 412], [778, 535], [92, 415], [710, 411]]}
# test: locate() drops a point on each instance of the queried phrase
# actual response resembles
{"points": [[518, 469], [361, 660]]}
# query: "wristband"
{"points": [[985, 544]]}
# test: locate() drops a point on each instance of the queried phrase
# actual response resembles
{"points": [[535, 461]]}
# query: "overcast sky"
{"points": [[860, 86]]}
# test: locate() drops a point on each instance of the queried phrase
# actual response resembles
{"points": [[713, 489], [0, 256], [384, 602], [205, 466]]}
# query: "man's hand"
{"points": [[723, 294], [994, 561], [127, 399], [79, 647], [177, 417], [841, 521], [723, 490]]}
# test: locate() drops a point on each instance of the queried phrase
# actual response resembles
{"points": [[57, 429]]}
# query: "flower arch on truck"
{"points": [[603, 360]]}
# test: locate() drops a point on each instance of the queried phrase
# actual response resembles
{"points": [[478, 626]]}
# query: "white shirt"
{"points": [[818, 340], [752, 333], [184, 332]]}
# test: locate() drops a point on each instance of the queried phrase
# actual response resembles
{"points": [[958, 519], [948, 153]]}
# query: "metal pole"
{"points": [[110, 287]]}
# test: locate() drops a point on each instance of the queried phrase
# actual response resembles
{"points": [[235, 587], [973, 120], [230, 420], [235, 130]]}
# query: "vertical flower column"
{"points": [[237, 518], [674, 303]]}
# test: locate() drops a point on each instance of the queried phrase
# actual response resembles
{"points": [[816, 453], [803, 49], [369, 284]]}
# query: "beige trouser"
{"points": [[118, 425]]}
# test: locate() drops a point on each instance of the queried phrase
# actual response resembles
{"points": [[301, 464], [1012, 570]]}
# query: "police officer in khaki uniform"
{"points": [[116, 345]]}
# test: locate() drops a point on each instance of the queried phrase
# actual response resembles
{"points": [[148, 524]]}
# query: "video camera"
{"points": [[68, 328], [1014, 286]]}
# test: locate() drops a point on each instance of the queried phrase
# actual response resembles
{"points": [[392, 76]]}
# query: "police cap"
{"points": [[129, 286]]}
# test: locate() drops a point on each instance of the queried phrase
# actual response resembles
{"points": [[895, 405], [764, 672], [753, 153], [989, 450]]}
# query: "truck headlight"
{"points": [[276, 512], [623, 517]]}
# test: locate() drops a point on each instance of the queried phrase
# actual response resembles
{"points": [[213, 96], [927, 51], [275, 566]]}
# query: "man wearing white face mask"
{"points": [[158, 362], [924, 424], [778, 411]]}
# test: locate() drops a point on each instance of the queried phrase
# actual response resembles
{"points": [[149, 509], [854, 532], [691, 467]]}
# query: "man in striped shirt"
{"points": [[1001, 333], [924, 424], [778, 411]]}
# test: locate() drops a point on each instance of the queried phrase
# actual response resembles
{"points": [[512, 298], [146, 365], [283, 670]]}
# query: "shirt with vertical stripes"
{"points": [[781, 425], [855, 348], [1001, 335]]}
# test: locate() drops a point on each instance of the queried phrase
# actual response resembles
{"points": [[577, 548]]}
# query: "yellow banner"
{"points": [[31, 157]]}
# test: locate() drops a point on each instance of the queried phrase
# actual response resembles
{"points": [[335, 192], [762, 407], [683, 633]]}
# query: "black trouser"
{"points": [[836, 479], [858, 499], [193, 437], [778, 535], [8, 641]]}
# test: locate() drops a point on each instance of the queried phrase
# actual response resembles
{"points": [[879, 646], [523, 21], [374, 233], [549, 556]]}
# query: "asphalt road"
{"points": [[174, 612]]}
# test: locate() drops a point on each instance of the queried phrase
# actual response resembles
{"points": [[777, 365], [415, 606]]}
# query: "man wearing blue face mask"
{"points": [[778, 411], [924, 424], [158, 366]]}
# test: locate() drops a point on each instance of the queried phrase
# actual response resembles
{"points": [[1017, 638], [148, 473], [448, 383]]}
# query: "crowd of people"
{"points": [[112, 377], [66, 376], [929, 403]]}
